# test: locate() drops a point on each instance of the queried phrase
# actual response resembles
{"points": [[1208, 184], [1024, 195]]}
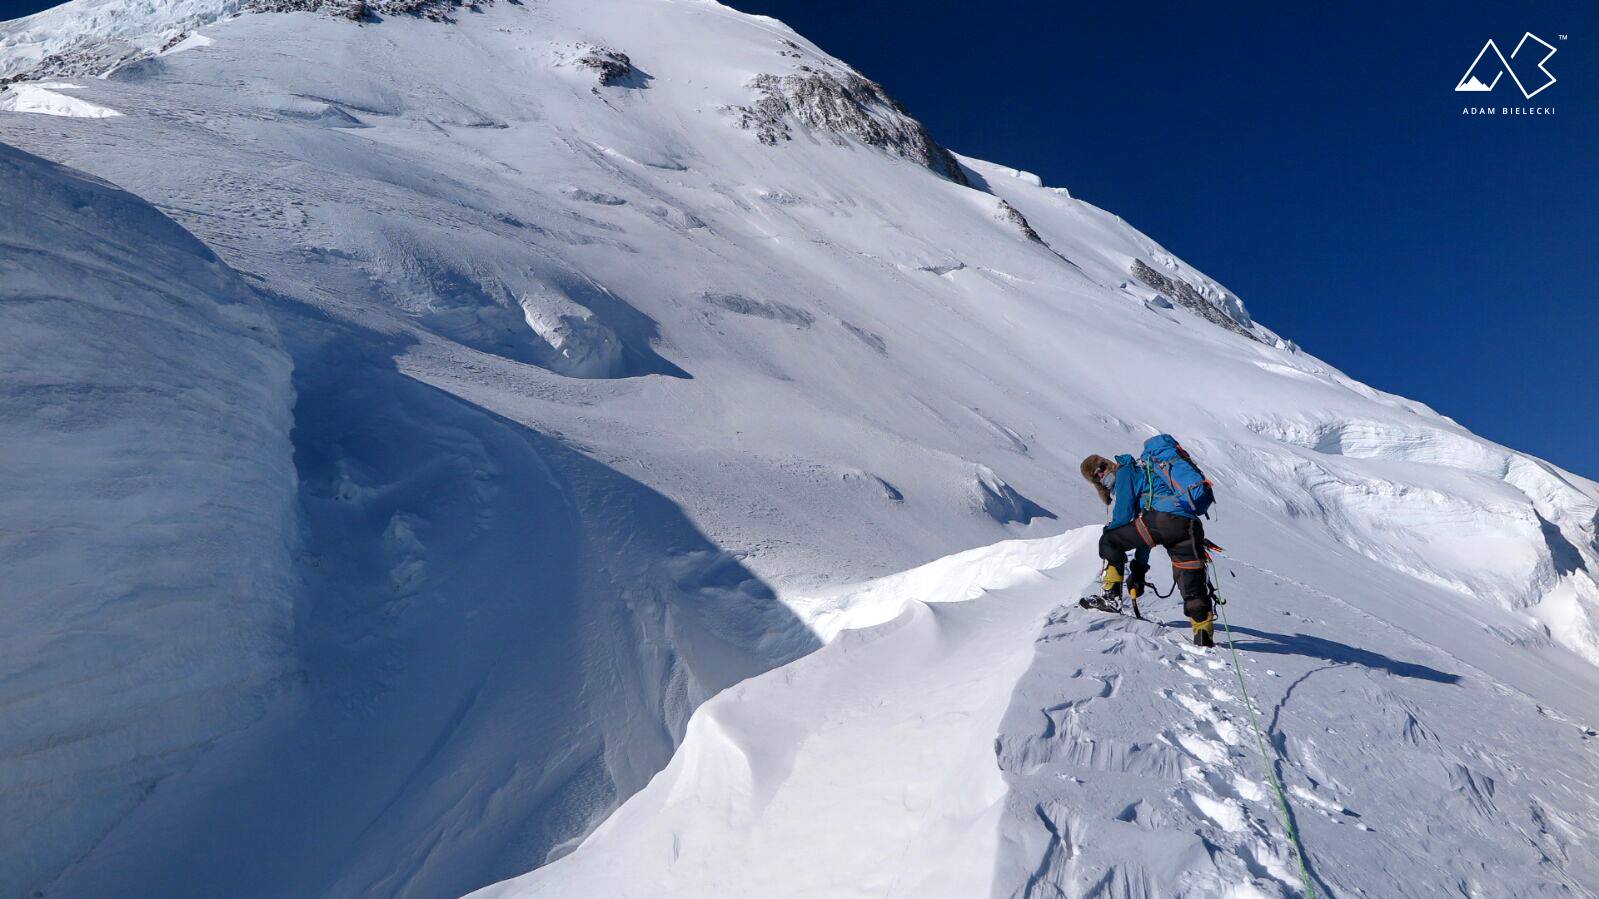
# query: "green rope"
{"points": [[1260, 743]]}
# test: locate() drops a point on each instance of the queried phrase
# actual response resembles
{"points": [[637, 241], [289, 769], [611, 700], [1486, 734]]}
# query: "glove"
{"points": [[1135, 579]]}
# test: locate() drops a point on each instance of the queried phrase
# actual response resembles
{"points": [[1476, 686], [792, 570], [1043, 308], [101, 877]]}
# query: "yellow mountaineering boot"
{"points": [[1205, 631], [1111, 599], [1113, 581]]}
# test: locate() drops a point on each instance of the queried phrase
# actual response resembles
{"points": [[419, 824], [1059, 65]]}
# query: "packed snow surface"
{"points": [[640, 349]]}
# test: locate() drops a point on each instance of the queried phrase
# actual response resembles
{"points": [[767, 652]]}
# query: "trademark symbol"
{"points": [[1560, 37]]}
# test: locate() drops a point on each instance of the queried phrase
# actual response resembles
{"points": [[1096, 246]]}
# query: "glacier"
{"points": [[611, 448]]}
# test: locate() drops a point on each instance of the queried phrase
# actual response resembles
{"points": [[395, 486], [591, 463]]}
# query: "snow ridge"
{"points": [[913, 812]]}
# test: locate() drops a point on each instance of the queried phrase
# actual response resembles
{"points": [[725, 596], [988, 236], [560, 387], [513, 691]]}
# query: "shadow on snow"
{"points": [[499, 639], [1331, 651]]}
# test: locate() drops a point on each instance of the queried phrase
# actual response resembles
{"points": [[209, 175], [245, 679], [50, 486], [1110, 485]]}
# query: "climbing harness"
{"points": [[1298, 845]]}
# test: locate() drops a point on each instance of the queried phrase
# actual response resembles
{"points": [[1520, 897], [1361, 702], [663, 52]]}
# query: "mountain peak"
{"points": [[87, 38]]}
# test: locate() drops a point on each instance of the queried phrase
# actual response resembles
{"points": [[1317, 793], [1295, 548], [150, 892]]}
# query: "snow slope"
{"points": [[147, 498], [627, 336], [996, 743]]}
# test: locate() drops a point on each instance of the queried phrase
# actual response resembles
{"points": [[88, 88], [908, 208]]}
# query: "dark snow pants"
{"points": [[1184, 539]]}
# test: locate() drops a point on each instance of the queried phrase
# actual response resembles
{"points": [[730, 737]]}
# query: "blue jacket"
{"points": [[1124, 501], [1124, 493]]}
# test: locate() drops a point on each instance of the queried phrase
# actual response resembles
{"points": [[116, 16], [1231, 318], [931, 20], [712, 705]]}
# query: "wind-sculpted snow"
{"points": [[146, 510], [588, 365], [1001, 502], [488, 292], [1129, 758], [1400, 781], [496, 640], [879, 746], [1455, 496]]}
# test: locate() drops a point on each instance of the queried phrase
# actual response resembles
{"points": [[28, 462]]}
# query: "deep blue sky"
{"points": [[1314, 160]]}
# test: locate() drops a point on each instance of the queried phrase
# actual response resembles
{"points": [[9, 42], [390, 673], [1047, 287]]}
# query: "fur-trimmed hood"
{"points": [[1089, 467]]}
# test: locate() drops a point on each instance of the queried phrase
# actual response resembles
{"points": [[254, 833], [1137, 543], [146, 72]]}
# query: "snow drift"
{"points": [[915, 810], [146, 509]]}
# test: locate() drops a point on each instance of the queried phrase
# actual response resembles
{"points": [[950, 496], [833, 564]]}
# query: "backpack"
{"points": [[1172, 482]]}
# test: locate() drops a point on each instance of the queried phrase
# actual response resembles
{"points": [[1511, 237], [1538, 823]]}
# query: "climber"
{"points": [[1113, 480], [1155, 500]]}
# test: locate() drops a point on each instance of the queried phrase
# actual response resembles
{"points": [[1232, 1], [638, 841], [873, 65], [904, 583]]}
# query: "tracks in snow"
{"points": [[1130, 771], [978, 745], [1133, 772]]}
